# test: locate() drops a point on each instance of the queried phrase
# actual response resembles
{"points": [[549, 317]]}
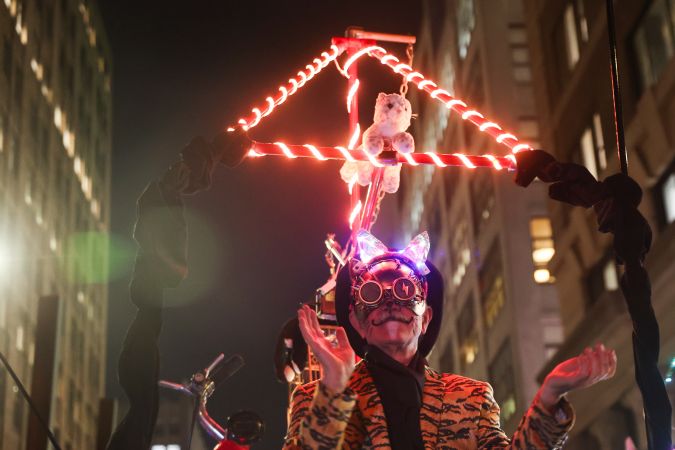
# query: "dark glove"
{"points": [[618, 214]]}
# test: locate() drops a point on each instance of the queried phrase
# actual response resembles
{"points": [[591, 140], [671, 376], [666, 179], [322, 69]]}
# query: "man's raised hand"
{"points": [[336, 357]]}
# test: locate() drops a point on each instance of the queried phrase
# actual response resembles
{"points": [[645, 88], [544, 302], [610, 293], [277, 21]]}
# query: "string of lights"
{"points": [[293, 151], [290, 88], [450, 102]]}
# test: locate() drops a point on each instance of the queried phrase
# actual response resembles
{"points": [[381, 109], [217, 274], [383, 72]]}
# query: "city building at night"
{"points": [[491, 239], [55, 150], [570, 71]]}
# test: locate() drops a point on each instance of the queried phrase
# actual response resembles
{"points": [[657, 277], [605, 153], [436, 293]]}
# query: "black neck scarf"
{"points": [[400, 388]]}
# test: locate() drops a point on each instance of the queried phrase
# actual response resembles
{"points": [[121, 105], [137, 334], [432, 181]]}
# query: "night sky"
{"points": [[184, 69]]}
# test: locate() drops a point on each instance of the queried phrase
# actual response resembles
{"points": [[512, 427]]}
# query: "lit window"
{"points": [[668, 192], [599, 142], [543, 249], [592, 144], [610, 277], [583, 23], [19, 338], [466, 21], [588, 152], [571, 39]]}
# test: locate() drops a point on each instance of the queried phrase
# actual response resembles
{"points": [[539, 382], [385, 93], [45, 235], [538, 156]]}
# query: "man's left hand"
{"points": [[585, 370]]}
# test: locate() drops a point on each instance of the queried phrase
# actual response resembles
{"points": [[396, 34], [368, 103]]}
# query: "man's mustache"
{"points": [[392, 318]]}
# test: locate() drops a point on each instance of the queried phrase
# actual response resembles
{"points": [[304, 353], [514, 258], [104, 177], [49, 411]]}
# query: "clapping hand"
{"points": [[336, 357]]}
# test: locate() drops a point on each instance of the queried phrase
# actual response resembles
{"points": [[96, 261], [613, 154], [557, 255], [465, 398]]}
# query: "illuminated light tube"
{"points": [[284, 95], [467, 162], [488, 125], [415, 159], [412, 75], [355, 213], [270, 106], [317, 154], [304, 78], [253, 154], [352, 182], [258, 116], [346, 154], [436, 159], [389, 58], [373, 160], [351, 94], [430, 87], [438, 92], [472, 113], [401, 66], [284, 148], [355, 137], [293, 85], [520, 148], [495, 163], [502, 137], [455, 102], [409, 159], [424, 83], [359, 54]]}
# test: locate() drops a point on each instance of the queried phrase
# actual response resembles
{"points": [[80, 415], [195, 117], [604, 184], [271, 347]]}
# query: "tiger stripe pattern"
{"points": [[457, 413]]}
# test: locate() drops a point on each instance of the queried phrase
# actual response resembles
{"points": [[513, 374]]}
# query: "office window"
{"points": [[491, 281], [664, 193], [652, 41], [571, 39], [460, 254], [520, 54], [543, 249], [592, 146], [466, 21], [503, 382], [466, 334], [483, 195]]}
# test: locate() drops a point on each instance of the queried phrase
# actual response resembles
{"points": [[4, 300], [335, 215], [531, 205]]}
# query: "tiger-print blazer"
{"points": [[457, 413]]}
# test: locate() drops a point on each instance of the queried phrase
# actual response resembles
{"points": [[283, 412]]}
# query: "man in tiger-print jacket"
{"points": [[389, 305]]}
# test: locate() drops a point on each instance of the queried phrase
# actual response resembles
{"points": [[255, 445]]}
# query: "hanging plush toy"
{"points": [[391, 119]]}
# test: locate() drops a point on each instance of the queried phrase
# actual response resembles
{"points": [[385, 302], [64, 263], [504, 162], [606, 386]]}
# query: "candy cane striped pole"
{"points": [[293, 151]]}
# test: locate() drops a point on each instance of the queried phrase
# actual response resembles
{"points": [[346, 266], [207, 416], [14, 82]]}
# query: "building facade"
{"points": [[491, 239], [569, 48], [55, 150]]}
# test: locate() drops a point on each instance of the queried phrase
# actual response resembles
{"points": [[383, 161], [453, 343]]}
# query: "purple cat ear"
{"points": [[418, 250], [369, 246]]}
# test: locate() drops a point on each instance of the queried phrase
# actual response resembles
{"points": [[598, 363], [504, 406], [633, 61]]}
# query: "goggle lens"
{"points": [[404, 289], [370, 292]]}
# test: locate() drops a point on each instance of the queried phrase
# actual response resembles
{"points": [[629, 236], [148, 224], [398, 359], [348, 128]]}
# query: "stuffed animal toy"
{"points": [[391, 119]]}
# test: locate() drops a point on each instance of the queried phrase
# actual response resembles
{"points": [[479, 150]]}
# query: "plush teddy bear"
{"points": [[391, 119]]}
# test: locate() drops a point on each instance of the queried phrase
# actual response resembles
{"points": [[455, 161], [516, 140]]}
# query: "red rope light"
{"points": [[452, 103], [340, 153], [290, 88]]}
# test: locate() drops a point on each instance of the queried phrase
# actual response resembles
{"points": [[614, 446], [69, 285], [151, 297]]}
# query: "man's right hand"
{"points": [[337, 358]]}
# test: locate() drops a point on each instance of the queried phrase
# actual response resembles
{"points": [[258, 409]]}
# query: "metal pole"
{"points": [[616, 90]]}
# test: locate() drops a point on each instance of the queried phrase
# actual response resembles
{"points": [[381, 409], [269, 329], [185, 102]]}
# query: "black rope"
{"points": [[616, 89], [51, 437]]}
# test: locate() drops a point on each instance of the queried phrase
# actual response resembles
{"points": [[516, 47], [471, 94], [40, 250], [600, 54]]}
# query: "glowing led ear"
{"points": [[418, 250], [369, 246]]}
